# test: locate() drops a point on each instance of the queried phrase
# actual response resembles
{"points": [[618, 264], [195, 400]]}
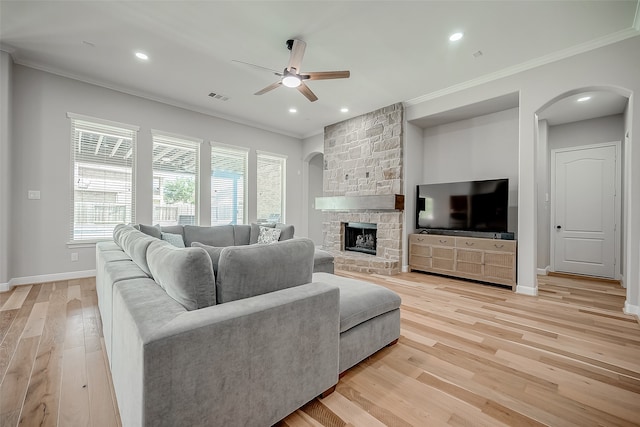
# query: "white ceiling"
{"points": [[396, 50]]}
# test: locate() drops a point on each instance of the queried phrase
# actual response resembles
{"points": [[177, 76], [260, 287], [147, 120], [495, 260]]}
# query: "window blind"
{"points": [[271, 172], [103, 192], [175, 179], [228, 184]]}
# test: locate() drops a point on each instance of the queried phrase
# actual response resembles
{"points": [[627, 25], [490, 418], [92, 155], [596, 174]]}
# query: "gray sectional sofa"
{"points": [[244, 343]]}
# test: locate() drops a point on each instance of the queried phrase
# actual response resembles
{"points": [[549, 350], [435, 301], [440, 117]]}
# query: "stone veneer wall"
{"points": [[363, 157]]}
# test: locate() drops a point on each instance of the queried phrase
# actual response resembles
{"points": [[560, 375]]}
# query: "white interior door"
{"points": [[584, 190]]}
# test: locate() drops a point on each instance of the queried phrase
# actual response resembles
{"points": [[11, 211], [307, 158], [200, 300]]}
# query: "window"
{"points": [[228, 184], [271, 173], [175, 179], [103, 194]]}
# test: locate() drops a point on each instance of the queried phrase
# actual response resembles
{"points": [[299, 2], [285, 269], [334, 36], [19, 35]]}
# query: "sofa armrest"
{"points": [[246, 362]]}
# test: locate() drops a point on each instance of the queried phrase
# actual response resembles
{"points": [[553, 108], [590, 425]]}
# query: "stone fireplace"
{"points": [[363, 159]]}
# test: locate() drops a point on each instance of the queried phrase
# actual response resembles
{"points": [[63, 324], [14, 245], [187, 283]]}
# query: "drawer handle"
{"points": [[498, 246], [469, 243]]}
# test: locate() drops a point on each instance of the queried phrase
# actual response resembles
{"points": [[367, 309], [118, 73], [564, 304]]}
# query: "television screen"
{"points": [[463, 206]]}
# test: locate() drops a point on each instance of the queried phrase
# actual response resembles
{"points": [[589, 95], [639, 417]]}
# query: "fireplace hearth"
{"points": [[360, 237]]}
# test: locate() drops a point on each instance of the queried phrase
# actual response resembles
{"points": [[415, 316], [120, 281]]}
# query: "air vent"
{"points": [[219, 96]]}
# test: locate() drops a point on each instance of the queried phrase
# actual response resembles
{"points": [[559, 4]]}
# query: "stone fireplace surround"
{"points": [[363, 157]]}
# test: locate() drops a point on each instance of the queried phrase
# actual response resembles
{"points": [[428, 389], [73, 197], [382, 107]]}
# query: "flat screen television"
{"points": [[478, 206]]}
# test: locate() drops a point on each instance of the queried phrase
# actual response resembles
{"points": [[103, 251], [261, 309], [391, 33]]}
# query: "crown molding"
{"points": [[534, 63], [151, 97]]}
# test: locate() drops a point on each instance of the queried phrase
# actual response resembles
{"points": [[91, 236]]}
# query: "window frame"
{"points": [[182, 141], [231, 149], [283, 179], [112, 129]]}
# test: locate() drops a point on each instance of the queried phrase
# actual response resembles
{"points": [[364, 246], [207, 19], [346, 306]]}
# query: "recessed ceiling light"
{"points": [[344, 110], [142, 56], [455, 37], [584, 98], [293, 110]]}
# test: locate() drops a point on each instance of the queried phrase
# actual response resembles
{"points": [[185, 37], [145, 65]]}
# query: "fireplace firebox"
{"points": [[360, 237]]}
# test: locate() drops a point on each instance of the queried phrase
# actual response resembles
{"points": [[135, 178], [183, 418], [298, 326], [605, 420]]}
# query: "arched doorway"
{"points": [[573, 130]]}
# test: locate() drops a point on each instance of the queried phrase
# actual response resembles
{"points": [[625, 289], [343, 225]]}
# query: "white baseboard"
{"points": [[527, 290], [543, 271], [631, 309], [43, 278]]}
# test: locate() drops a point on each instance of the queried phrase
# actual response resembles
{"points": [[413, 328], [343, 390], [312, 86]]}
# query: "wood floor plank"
{"points": [[101, 408], [17, 298], [74, 395], [16, 381], [43, 395]]}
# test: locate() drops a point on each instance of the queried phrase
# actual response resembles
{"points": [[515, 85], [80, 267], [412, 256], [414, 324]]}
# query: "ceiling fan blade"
{"points": [[277, 73], [297, 52], [304, 89], [268, 88], [325, 75]]}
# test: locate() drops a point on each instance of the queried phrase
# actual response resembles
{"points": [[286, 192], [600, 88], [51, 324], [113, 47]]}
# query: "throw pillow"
{"points": [[255, 231], [175, 239], [213, 251], [268, 235]]}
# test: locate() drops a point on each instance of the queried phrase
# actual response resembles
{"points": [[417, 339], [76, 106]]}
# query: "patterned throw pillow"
{"points": [[268, 235]]}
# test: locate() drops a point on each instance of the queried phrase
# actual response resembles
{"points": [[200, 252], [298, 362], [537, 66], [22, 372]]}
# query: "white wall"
{"points": [[586, 132], [538, 87], [5, 165], [413, 153], [543, 195], [316, 169], [41, 161], [483, 147]]}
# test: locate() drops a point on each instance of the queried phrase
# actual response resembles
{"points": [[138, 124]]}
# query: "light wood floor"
{"points": [[468, 354]]}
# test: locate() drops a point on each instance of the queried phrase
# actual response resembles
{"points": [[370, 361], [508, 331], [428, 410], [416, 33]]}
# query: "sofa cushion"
{"points": [[173, 229], [323, 262], [174, 239], [108, 246], [151, 230], [247, 271], [135, 244], [268, 235], [185, 274], [214, 254], [219, 235], [286, 231], [359, 301], [241, 234]]}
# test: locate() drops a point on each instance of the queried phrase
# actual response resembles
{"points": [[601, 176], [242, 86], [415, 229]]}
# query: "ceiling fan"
{"points": [[291, 76]]}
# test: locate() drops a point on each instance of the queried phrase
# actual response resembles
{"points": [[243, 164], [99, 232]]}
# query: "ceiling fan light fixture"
{"points": [[291, 81]]}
